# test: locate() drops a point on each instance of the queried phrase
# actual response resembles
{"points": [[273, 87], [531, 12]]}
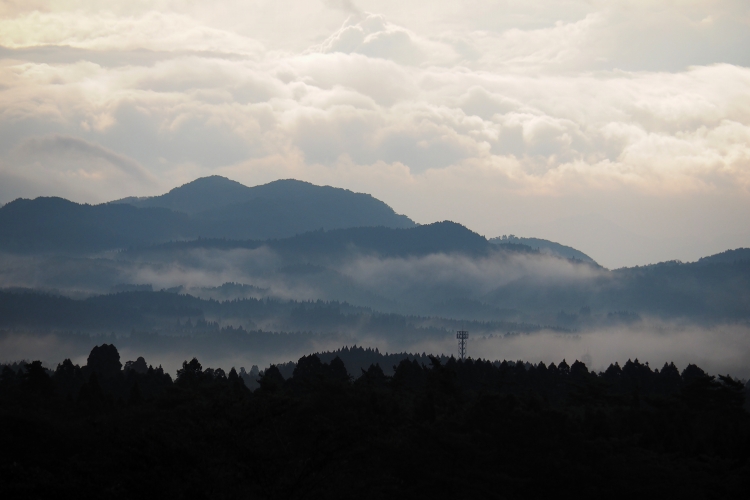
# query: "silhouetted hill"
{"points": [[225, 208], [59, 225], [544, 246], [214, 207], [206, 193]]}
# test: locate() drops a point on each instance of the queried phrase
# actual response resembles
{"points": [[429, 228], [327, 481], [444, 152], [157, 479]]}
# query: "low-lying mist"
{"points": [[401, 284], [570, 310], [720, 349]]}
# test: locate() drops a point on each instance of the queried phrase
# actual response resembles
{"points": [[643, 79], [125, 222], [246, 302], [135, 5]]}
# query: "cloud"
{"points": [[373, 36], [61, 146], [407, 278], [343, 5], [109, 31], [54, 163]]}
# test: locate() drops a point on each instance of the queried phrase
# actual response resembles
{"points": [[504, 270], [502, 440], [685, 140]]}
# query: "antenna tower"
{"points": [[462, 337]]}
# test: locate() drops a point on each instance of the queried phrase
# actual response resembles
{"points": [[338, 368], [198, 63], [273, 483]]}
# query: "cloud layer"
{"points": [[621, 128]]}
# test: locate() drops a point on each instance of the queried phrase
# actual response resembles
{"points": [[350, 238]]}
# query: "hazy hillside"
{"points": [[714, 288], [212, 207], [59, 225], [182, 314]]}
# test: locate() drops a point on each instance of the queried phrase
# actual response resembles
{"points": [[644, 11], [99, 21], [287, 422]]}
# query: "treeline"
{"points": [[464, 429], [552, 383]]}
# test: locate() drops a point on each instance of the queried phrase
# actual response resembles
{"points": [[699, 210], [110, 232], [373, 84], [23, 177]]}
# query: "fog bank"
{"points": [[722, 349]]}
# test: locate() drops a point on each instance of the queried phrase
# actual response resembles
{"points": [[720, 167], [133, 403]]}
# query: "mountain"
{"points": [[224, 208], [59, 225], [211, 207], [206, 193], [544, 246]]}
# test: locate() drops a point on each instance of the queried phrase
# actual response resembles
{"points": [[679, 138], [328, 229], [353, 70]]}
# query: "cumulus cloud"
{"points": [[343, 5], [502, 117], [373, 36]]}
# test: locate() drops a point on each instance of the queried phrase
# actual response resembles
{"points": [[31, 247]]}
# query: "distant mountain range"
{"points": [[297, 214], [343, 246], [210, 207]]}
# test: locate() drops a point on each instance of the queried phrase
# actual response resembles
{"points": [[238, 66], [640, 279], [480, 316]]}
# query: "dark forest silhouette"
{"points": [[437, 427]]}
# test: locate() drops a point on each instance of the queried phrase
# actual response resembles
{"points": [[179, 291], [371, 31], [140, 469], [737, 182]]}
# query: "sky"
{"points": [[618, 127]]}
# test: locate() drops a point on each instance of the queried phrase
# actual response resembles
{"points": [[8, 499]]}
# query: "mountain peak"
{"points": [[202, 194], [209, 182]]}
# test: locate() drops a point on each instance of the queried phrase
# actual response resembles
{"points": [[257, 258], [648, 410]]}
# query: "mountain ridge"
{"points": [[215, 197], [211, 207], [274, 210]]}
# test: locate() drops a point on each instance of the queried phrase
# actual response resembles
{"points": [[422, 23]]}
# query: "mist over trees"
{"points": [[449, 285]]}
